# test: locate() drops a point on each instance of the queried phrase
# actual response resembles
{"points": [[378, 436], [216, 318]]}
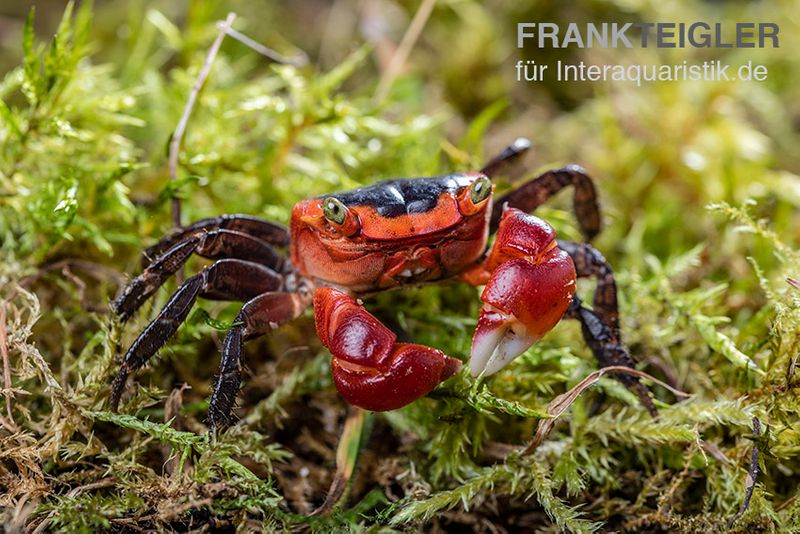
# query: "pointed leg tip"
{"points": [[522, 143], [117, 387], [217, 424]]}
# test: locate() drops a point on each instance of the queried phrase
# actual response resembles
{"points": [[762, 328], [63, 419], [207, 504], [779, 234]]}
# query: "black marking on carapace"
{"points": [[396, 197]]}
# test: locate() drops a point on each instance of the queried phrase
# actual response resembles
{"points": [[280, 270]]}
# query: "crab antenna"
{"points": [[511, 154]]}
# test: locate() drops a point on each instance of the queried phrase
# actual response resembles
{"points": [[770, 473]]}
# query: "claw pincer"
{"points": [[530, 285], [370, 369]]}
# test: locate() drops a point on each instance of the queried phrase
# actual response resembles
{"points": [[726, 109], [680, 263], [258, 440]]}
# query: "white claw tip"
{"points": [[495, 347]]}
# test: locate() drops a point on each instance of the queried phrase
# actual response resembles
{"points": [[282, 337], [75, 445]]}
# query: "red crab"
{"points": [[395, 233]]}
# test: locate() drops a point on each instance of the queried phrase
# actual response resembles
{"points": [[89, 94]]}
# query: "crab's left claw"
{"points": [[531, 283], [370, 368]]}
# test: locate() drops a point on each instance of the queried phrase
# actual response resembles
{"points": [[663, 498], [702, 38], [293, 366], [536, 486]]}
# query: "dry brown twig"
{"points": [[347, 453], [225, 28], [561, 403], [404, 48], [298, 60], [180, 129], [6, 367]]}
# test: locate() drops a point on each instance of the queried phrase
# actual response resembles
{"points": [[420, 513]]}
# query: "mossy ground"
{"points": [[701, 197]]}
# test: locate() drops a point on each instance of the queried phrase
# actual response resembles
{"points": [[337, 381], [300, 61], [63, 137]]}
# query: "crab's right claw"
{"points": [[370, 369], [532, 284]]}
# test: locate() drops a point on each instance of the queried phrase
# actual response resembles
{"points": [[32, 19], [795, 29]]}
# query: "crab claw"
{"points": [[531, 286], [370, 369]]}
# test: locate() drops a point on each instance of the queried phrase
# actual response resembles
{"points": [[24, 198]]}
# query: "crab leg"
{"points": [[530, 283], [370, 368], [600, 325], [608, 349], [534, 193], [590, 262], [258, 316], [269, 232], [232, 279], [507, 157], [215, 244]]}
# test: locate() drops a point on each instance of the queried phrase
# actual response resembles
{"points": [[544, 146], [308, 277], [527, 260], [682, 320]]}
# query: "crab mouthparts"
{"points": [[499, 339], [408, 274]]}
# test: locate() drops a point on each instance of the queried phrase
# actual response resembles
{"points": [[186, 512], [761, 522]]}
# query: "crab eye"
{"points": [[334, 210], [480, 189]]}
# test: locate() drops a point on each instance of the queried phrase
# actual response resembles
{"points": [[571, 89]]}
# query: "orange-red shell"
{"points": [[386, 240]]}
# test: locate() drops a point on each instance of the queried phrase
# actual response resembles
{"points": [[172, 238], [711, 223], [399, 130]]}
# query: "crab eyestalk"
{"points": [[370, 369], [530, 285]]}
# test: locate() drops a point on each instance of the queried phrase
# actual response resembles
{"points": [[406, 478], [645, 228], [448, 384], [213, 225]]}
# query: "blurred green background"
{"points": [[699, 188]]}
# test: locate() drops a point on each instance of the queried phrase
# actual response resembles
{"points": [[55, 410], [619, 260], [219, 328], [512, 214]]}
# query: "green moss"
{"points": [[701, 212]]}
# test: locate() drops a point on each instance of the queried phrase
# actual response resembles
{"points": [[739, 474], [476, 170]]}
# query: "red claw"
{"points": [[370, 369], [531, 284]]}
